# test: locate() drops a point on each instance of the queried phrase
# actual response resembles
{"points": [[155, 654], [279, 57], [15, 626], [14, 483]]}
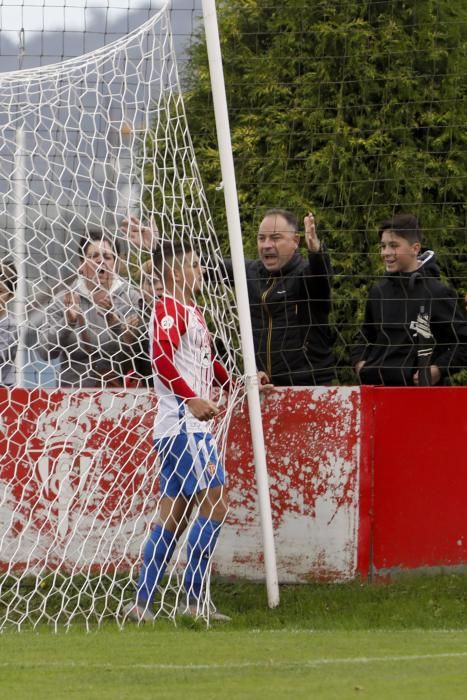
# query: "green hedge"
{"points": [[353, 109]]}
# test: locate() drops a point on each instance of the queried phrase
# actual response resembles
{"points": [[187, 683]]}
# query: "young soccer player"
{"points": [[191, 472], [414, 332]]}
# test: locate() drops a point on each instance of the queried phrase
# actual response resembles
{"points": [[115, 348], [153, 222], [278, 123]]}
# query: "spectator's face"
{"points": [[99, 264], [399, 255], [277, 242]]}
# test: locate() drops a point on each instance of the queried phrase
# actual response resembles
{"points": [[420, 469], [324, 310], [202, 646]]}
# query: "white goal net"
{"points": [[86, 144]]}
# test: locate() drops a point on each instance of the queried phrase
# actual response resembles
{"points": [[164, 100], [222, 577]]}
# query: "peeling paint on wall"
{"points": [[78, 485], [312, 443]]}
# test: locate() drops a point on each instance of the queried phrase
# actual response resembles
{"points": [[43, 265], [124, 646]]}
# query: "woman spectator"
{"points": [[93, 327]]}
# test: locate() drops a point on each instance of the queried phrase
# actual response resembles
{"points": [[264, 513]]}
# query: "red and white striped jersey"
{"points": [[182, 364]]}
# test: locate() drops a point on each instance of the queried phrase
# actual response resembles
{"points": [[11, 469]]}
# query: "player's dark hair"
{"points": [[8, 275], [287, 215], [94, 236], [164, 255], [404, 225]]}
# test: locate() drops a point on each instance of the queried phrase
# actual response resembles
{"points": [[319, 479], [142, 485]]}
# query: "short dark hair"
{"points": [[404, 225], [165, 254], [92, 237], [287, 215], [8, 274]]}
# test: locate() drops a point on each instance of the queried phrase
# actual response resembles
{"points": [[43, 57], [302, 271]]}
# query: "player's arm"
{"points": [[223, 379], [169, 326], [203, 409], [221, 376]]}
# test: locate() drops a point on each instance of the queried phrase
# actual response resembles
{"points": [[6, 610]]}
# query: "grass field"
{"points": [[403, 640]]}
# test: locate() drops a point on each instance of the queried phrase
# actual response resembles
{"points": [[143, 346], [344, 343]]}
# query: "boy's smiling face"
{"points": [[399, 255]]}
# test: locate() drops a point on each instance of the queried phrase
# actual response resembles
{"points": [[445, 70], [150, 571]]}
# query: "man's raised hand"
{"points": [[311, 237]]}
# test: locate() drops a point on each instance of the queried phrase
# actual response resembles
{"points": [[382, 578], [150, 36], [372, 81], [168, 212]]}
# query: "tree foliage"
{"points": [[355, 109]]}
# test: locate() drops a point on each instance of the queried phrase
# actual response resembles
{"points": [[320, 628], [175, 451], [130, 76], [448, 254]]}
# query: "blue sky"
{"points": [[46, 15], [54, 30]]}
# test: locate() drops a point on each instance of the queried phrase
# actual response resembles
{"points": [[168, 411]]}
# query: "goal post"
{"points": [[93, 141], [19, 194], [236, 246]]}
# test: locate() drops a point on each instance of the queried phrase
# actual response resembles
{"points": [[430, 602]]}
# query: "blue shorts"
{"points": [[189, 464]]}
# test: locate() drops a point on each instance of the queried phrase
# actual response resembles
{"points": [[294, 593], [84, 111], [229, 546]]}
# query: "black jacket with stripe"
{"points": [[290, 319]]}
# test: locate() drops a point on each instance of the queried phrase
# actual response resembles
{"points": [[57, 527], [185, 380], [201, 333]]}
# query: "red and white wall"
{"points": [[312, 444], [363, 481]]}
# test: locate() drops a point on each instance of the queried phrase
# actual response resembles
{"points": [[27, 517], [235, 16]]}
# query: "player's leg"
{"points": [[202, 540], [160, 546], [174, 510], [210, 497]]}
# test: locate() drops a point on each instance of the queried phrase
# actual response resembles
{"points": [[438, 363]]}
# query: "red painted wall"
{"points": [[416, 442], [78, 482], [363, 481], [312, 449]]}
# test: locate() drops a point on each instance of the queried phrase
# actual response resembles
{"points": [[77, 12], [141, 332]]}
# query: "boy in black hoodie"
{"points": [[414, 331]]}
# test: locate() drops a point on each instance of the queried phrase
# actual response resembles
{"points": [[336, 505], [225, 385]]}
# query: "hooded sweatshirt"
{"points": [[410, 316]]}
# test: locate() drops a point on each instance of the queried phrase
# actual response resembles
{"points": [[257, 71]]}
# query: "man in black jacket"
{"points": [[414, 331], [289, 297], [290, 301]]}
